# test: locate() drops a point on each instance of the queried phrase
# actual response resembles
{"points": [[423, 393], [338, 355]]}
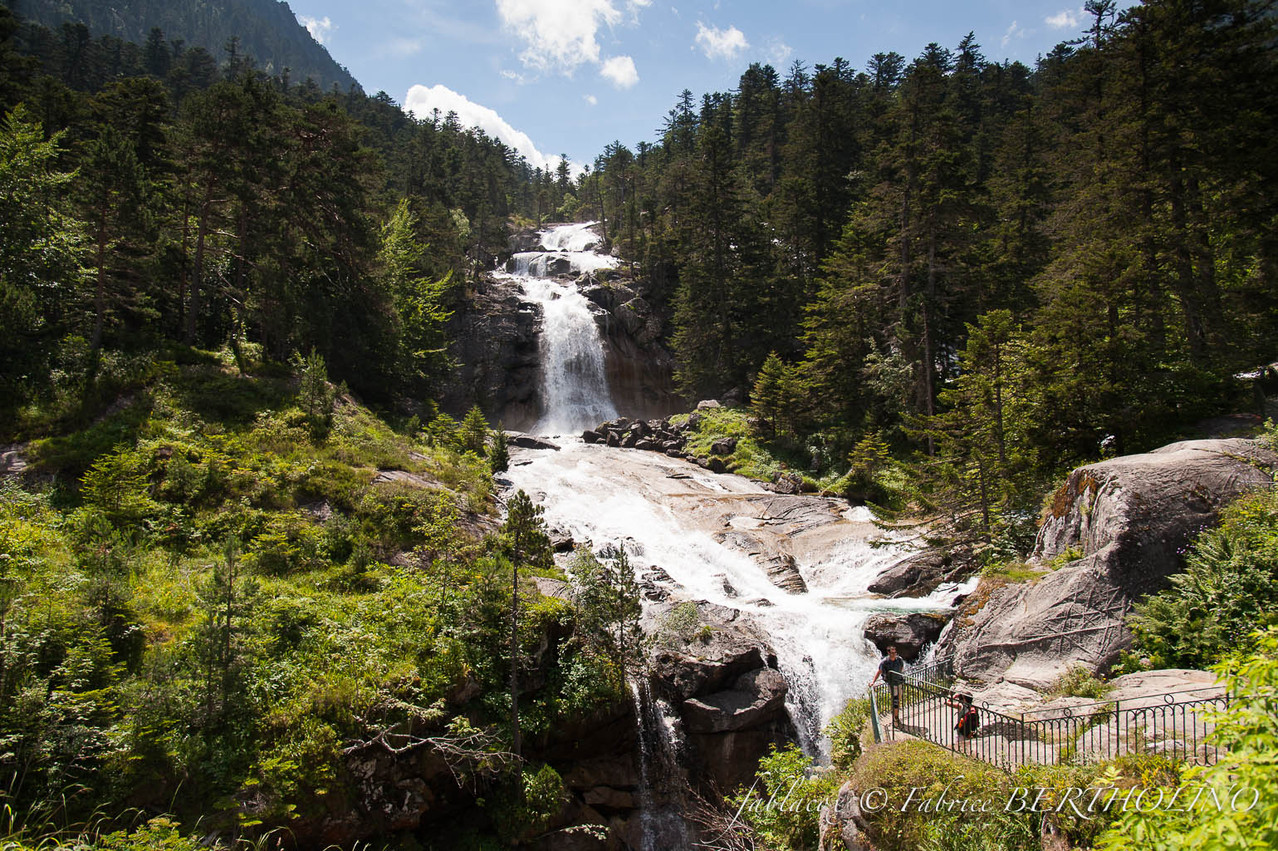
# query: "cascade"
{"points": [[654, 504], [574, 384]]}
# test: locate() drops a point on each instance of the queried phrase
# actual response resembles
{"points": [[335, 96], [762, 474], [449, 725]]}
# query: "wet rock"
{"points": [[716, 465], [909, 632], [921, 574], [1130, 519], [560, 541], [498, 354], [589, 436], [647, 444], [528, 441]]}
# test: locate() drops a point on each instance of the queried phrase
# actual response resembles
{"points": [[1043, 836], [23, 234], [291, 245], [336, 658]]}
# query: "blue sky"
{"points": [[570, 76]]}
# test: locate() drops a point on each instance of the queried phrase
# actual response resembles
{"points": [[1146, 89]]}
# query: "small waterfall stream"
{"points": [[662, 825]]}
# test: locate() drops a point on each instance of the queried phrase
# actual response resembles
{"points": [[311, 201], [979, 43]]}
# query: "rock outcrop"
{"points": [[1125, 524], [921, 574], [909, 632], [497, 354], [724, 684]]}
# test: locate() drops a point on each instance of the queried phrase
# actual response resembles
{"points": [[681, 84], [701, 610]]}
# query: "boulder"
{"points": [[1127, 520], [731, 645], [753, 700], [909, 632], [556, 588], [13, 461], [560, 541], [708, 404], [590, 436], [724, 446], [919, 575], [528, 441], [787, 483], [729, 695]]}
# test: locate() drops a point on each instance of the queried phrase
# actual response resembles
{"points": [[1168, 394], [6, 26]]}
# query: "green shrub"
{"points": [[1247, 735], [844, 732], [1078, 681], [784, 804], [1228, 590]]}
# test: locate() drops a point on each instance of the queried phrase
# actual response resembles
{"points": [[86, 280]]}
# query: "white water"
{"points": [[574, 385], [667, 512], [607, 495]]}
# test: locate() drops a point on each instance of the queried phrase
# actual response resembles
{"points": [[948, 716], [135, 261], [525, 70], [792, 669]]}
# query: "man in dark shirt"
{"points": [[891, 669]]}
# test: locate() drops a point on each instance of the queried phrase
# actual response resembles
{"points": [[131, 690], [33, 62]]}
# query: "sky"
{"points": [[567, 77]]}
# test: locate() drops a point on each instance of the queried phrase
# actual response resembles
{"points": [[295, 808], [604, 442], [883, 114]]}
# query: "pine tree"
{"points": [[526, 544]]}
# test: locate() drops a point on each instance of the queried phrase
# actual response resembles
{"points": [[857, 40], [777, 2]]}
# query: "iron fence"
{"points": [[1175, 725]]}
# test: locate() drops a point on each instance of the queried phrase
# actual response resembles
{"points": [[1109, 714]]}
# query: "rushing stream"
{"points": [[671, 514]]}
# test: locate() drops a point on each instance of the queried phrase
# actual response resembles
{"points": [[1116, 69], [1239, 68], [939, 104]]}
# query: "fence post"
{"points": [[874, 718]]}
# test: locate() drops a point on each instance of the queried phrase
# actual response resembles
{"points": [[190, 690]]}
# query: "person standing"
{"points": [[892, 669]]}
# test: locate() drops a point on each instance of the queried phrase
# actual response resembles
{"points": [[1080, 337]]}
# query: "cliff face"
{"points": [[499, 359], [1123, 524], [497, 356]]}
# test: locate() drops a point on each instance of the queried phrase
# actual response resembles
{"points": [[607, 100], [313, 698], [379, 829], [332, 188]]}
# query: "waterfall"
{"points": [[574, 384], [662, 826], [656, 504]]}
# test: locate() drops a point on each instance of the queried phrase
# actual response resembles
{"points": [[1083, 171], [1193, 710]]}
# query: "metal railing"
{"points": [[1175, 725]]}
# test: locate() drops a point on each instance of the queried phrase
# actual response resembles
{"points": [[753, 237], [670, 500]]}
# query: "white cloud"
{"points": [[1068, 18], [1014, 31], [621, 71], [779, 52], [319, 28], [423, 101], [515, 76], [404, 46], [721, 44], [560, 34], [591, 99]]}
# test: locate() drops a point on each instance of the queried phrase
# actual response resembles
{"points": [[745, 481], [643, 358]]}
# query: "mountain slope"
{"points": [[267, 30]]}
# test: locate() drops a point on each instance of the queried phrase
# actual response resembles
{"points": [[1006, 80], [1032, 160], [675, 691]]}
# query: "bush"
{"points": [[844, 732], [1247, 735], [784, 805], [1228, 590], [1078, 681]]}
